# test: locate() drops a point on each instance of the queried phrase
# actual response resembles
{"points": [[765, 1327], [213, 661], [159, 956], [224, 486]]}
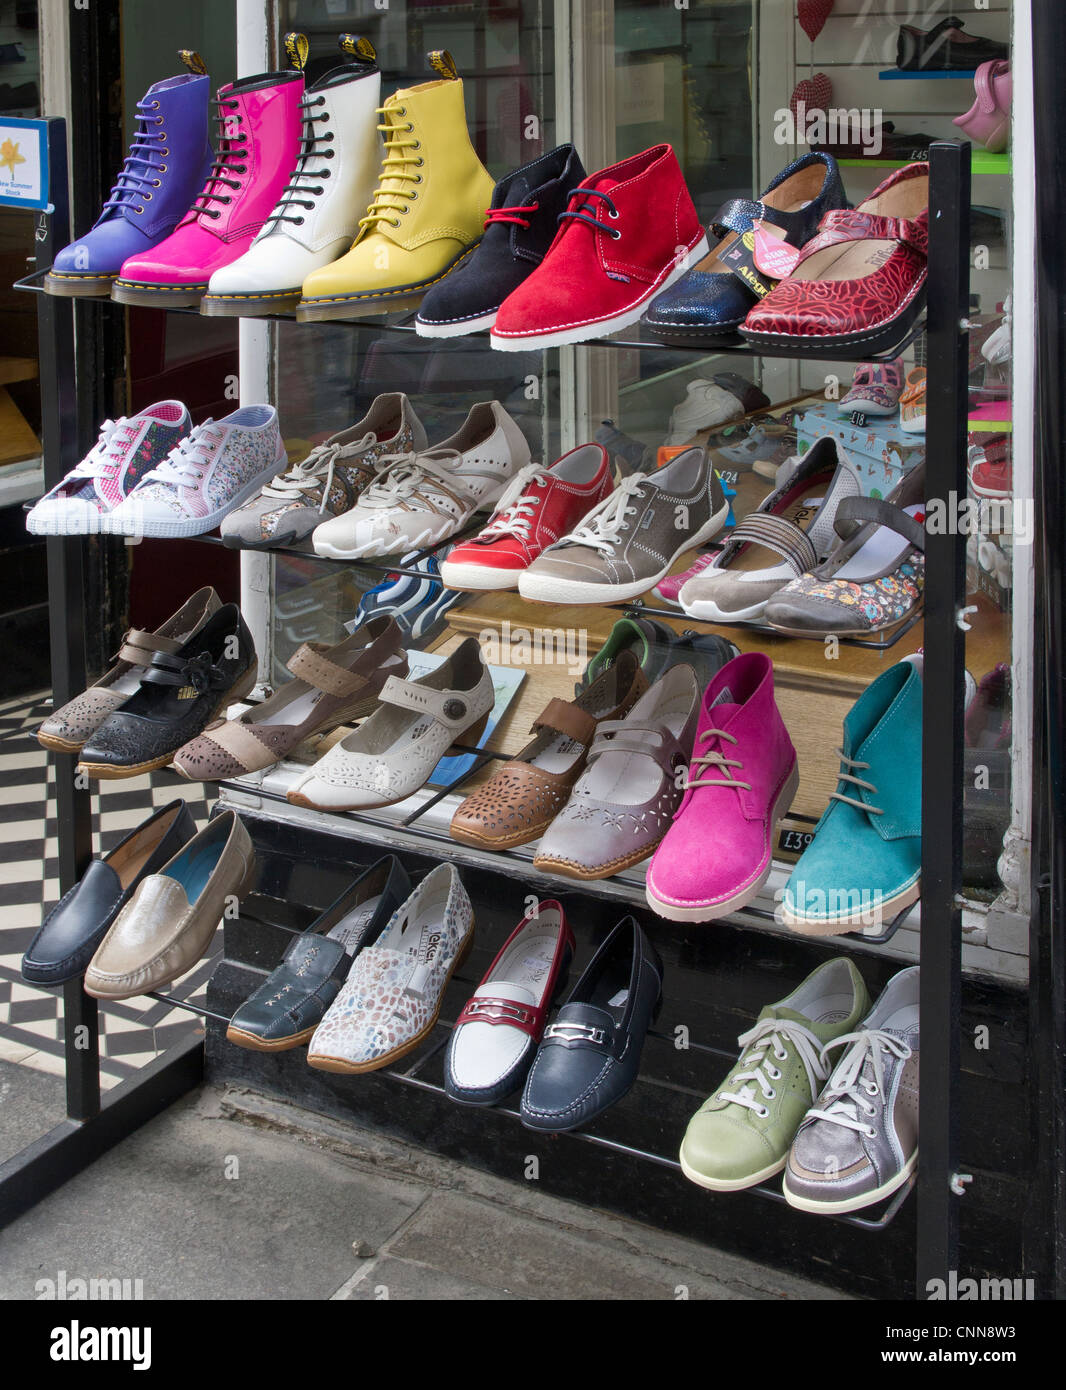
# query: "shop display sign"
{"points": [[23, 163]]}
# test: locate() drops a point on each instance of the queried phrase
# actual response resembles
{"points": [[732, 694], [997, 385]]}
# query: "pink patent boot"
{"points": [[988, 119], [259, 144]]}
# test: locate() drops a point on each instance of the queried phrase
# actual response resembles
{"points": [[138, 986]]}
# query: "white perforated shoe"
{"points": [[393, 752], [421, 499]]}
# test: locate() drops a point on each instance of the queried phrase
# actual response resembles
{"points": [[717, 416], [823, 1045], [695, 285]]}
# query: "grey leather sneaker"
{"points": [[859, 1141], [632, 540]]}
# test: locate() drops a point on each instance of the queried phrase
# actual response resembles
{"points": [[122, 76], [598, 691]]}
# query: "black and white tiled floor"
{"points": [[31, 1032]]}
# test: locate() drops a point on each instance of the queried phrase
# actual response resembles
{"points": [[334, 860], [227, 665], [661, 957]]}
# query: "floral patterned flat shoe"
{"points": [[391, 1000], [874, 577]]}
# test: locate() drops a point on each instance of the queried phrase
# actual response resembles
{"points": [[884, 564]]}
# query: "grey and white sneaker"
{"points": [[423, 498], [328, 481], [859, 1141], [633, 538], [789, 534]]}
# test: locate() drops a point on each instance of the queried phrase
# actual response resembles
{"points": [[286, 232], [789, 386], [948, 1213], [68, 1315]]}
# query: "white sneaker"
{"points": [[705, 405], [128, 448], [214, 469], [317, 216], [421, 499]]}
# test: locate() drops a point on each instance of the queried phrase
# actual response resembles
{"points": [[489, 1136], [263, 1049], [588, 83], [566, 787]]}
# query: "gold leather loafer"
{"points": [[167, 926]]}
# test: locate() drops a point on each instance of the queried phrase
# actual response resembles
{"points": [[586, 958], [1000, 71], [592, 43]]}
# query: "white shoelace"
{"points": [[105, 455], [602, 528], [514, 512], [401, 475], [184, 466], [318, 467], [774, 1035], [850, 1089]]}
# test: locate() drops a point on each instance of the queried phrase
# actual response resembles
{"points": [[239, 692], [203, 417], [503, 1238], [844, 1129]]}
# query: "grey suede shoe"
{"points": [[632, 540], [859, 1142], [625, 800]]}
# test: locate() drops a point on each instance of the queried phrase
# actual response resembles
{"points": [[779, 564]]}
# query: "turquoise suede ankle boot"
{"points": [[862, 867]]}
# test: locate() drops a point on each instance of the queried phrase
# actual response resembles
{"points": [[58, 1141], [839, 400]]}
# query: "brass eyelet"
{"points": [[162, 168], [156, 183], [164, 151], [418, 163]]}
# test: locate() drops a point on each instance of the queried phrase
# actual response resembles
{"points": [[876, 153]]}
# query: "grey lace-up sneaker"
{"points": [[632, 540], [859, 1141]]}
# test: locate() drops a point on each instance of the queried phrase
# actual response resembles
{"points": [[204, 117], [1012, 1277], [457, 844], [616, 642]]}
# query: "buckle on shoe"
{"points": [[576, 1032], [496, 1011]]}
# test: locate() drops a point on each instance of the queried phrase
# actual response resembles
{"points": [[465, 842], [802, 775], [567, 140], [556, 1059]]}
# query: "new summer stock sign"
{"points": [[23, 163]]}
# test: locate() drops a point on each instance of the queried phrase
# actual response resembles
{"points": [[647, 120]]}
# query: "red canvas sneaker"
{"points": [[540, 507], [627, 233]]}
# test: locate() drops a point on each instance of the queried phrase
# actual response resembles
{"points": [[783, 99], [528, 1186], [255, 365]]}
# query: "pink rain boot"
{"points": [[988, 119], [259, 143]]}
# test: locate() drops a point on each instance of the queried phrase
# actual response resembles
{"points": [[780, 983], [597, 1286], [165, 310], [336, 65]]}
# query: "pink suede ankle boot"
{"points": [[742, 777], [259, 143]]}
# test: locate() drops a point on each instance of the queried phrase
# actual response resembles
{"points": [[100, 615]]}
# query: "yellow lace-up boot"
{"points": [[427, 214]]}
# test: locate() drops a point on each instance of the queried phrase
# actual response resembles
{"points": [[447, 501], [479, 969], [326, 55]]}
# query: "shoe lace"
{"points": [[514, 511], [703, 763], [397, 169], [857, 766], [602, 528], [318, 468], [519, 214], [399, 476], [134, 181], [302, 188], [105, 457], [859, 1077], [230, 136], [185, 464], [774, 1036], [583, 214]]}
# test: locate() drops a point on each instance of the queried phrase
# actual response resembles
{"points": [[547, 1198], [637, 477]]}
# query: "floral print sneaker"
{"points": [[875, 576], [127, 450], [214, 469], [328, 481], [391, 1000], [875, 389]]}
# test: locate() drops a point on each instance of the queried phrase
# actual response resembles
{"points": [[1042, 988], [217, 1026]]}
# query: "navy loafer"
{"points": [[590, 1054], [712, 300], [71, 932], [288, 1006]]}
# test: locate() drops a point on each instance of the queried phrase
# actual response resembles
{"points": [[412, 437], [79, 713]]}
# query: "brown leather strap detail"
{"points": [[567, 719], [139, 646], [237, 738], [309, 664]]}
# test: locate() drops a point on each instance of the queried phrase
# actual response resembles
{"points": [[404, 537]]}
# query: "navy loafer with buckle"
{"points": [[590, 1054]]}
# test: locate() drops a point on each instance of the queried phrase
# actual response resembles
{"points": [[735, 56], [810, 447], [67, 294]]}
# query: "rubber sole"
{"points": [[869, 1199], [254, 1044], [249, 305], [477, 578], [711, 912], [729, 1185], [564, 869], [58, 745], [549, 589], [726, 336], [381, 548], [841, 631], [75, 286], [87, 522], [707, 611], [111, 772], [157, 296], [523, 837], [356, 305], [324, 1062], [880, 339], [145, 528], [601, 328], [455, 330], [834, 926]]}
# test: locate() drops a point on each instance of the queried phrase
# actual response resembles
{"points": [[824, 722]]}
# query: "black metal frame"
{"points": [[91, 1128]]}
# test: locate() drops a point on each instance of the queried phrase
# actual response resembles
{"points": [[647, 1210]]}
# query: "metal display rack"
{"points": [[94, 1124]]}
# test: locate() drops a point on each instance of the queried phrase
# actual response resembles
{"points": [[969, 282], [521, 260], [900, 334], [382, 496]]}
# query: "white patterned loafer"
{"points": [[391, 1000], [393, 752]]}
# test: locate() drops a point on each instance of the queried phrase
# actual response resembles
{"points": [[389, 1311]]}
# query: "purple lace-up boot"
{"points": [[168, 159]]}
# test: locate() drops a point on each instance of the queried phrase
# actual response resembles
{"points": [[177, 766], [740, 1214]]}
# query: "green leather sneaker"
{"points": [[742, 1134]]}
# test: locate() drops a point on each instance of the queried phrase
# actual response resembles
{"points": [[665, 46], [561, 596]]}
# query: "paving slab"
{"points": [[31, 1103]]}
